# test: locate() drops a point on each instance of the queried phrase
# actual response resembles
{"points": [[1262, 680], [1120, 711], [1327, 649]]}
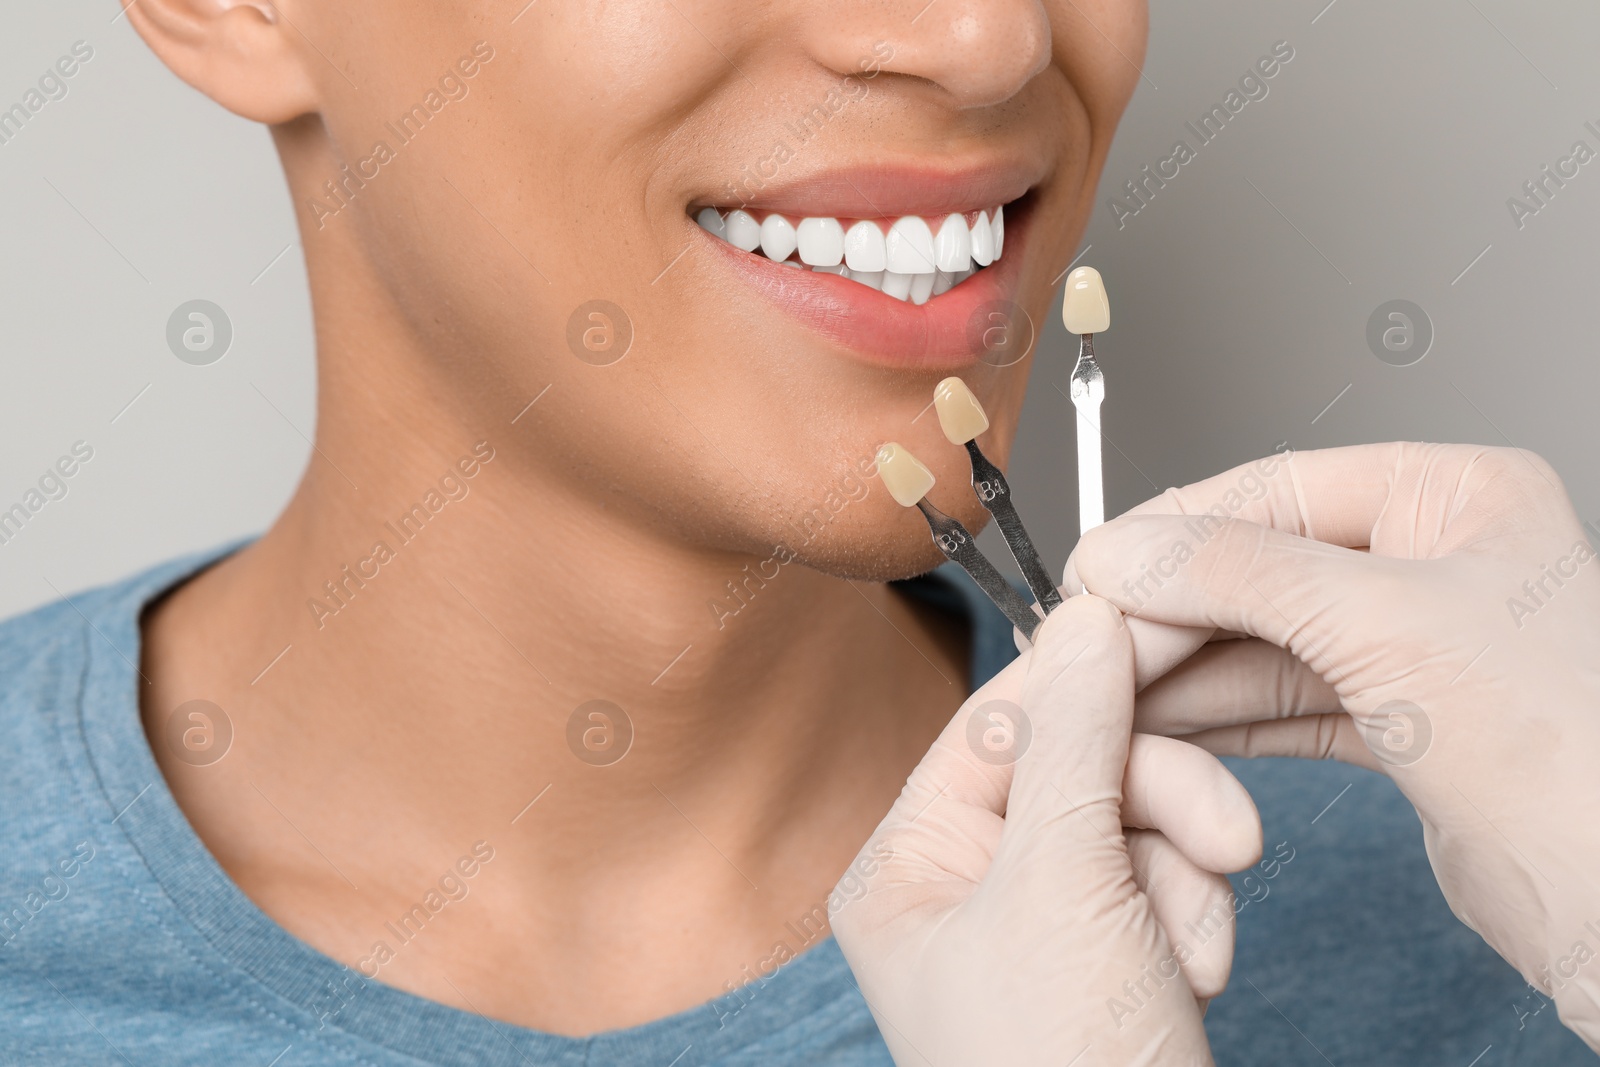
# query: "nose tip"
{"points": [[981, 52]]}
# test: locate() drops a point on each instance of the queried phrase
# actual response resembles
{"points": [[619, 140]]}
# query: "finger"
{"points": [[1157, 647], [947, 820], [1193, 906], [1398, 498], [1241, 576], [1320, 737], [965, 766], [1191, 798], [1228, 683], [1077, 699], [1334, 495]]}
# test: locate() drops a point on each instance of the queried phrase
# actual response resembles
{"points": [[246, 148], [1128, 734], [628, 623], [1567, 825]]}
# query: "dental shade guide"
{"points": [[960, 546], [1086, 312], [962, 418], [908, 481]]}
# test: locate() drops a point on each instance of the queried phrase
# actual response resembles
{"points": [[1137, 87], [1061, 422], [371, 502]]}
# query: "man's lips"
{"points": [[952, 330], [883, 191]]}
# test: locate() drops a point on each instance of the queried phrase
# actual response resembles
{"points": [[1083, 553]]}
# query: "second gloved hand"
{"points": [[1460, 655], [1064, 908]]}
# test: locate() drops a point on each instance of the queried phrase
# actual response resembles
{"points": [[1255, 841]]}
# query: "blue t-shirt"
{"points": [[123, 942]]}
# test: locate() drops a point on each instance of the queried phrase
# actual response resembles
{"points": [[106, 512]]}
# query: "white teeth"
{"points": [[777, 238], [952, 249], [710, 220], [982, 240], [821, 242], [863, 247], [742, 230], [909, 246], [911, 262], [897, 284]]}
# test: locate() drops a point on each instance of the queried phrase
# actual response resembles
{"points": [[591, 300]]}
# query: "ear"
{"points": [[244, 54]]}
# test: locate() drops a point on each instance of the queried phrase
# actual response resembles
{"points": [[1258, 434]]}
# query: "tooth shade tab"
{"points": [[961, 417], [821, 242], [998, 225], [903, 474], [982, 240], [1084, 308], [908, 248]]}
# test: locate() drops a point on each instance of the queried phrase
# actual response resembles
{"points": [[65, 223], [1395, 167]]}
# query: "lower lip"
{"points": [[946, 333]]}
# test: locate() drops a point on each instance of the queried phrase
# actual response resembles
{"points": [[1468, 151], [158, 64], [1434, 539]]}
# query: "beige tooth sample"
{"points": [[961, 417], [903, 474], [1085, 308], [998, 225]]}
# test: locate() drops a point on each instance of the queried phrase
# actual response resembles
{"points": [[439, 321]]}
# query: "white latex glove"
{"points": [[1000, 918], [1460, 655]]}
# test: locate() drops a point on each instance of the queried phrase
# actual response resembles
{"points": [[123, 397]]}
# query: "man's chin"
{"points": [[891, 556]]}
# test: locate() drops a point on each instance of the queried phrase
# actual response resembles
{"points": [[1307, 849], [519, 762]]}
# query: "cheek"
{"points": [[1105, 77], [646, 54]]}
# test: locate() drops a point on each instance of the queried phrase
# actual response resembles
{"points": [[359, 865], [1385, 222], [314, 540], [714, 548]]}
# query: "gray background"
{"points": [[1378, 167]]}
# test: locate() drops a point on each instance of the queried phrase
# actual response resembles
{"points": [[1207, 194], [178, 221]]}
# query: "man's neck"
{"points": [[462, 653]]}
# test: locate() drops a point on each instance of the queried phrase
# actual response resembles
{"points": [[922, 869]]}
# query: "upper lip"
{"points": [[887, 190]]}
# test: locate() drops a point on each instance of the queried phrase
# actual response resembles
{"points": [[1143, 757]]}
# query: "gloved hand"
{"points": [[1459, 654], [1000, 918]]}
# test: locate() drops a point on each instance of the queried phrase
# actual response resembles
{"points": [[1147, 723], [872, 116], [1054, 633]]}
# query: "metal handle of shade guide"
{"points": [[994, 493], [1088, 393], [958, 545]]}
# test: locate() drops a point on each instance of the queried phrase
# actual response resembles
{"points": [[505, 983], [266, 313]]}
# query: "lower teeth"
{"points": [[912, 288]]}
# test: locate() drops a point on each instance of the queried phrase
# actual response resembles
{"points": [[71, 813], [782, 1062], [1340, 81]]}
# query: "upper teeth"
{"points": [[914, 260]]}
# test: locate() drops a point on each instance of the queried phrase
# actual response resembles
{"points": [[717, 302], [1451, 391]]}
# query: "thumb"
{"points": [[1203, 571], [1077, 700]]}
